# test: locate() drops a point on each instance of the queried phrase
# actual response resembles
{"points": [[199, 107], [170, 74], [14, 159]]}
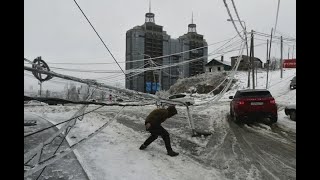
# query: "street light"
{"points": [[245, 35], [240, 21]]}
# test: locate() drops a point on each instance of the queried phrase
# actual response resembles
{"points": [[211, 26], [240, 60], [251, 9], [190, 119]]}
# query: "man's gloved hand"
{"points": [[148, 125]]}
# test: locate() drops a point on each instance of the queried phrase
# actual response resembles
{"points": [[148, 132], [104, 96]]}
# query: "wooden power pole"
{"points": [[248, 65], [268, 62], [281, 62], [270, 49], [252, 59]]}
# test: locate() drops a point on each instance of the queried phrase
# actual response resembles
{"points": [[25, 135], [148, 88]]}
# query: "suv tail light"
{"points": [[240, 102], [272, 101]]}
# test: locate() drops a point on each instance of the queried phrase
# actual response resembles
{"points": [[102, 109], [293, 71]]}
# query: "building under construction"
{"points": [[148, 46]]}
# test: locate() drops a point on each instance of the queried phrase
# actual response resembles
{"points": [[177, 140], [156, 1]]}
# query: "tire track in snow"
{"points": [[252, 142], [263, 166], [239, 153]]}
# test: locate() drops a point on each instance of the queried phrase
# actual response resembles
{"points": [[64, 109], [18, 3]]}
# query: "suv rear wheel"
{"points": [[231, 113], [236, 119], [272, 120]]}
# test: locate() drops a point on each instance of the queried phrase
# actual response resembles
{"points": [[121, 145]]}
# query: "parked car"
{"points": [[253, 104], [290, 111], [182, 98], [119, 100], [36, 103], [51, 102], [293, 83]]}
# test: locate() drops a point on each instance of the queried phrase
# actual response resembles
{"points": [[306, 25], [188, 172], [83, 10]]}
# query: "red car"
{"points": [[253, 105]]}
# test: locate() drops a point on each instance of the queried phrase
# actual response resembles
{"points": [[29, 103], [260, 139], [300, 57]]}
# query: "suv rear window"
{"points": [[253, 94]]}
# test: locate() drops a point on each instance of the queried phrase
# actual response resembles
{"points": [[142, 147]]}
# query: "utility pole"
{"points": [[252, 59], [288, 52], [270, 50], [256, 74], [245, 32], [160, 79], [268, 61], [248, 60], [292, 51], [281, 62], [170, 81]]}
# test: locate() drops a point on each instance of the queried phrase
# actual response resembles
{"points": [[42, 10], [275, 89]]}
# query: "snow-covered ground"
{"points": [[114, 154]]}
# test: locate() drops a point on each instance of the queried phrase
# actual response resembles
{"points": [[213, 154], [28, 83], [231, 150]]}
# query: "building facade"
{"points": [[244, 62], [218, 65], [149, 46]]}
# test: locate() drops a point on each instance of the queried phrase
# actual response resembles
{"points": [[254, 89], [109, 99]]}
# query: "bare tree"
{"points": [[66, 91], [118, 85], [73, 93], [103, 95], [47, 93], [275, 63], [84, 92]]}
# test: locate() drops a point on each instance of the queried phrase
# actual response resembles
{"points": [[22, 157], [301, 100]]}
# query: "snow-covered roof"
{"points": [[219, 62], [247, 57]]}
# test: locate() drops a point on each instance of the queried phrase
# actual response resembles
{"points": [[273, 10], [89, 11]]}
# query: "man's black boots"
{"points": [[142, 147], [172, 153]]}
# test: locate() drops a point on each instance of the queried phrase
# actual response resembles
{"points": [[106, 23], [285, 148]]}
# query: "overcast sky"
{"points": [[59, 33]]}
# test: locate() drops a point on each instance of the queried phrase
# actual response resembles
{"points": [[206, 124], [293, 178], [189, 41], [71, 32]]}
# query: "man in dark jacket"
{"points": [[153, 125]]}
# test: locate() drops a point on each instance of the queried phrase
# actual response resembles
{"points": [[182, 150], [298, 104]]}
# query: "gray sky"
{"points": [[57, 30]]}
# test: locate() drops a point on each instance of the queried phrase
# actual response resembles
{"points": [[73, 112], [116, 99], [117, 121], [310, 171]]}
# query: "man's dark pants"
{"points": [[159, 131]]}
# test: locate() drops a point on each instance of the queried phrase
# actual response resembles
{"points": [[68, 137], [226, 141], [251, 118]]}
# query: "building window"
{"points": [[219, 68]]}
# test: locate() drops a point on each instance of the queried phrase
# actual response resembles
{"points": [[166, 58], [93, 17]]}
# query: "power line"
{"points": [[98, 36], [284, 35], [176, 64], [235, 9], [232, 50], [146, 69], [51, 80], [217, 51], [83, 70], [116, 75], [55, 125], [268, 35], [168, 55], [92, 71], [37, 151], [63, 153], [226, 5], [75, 70], [275, 26], [164, 56], [184, 62]]}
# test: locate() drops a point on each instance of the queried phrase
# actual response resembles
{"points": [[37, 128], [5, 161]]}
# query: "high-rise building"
{"points": [[193, 40], [151, 43]]}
